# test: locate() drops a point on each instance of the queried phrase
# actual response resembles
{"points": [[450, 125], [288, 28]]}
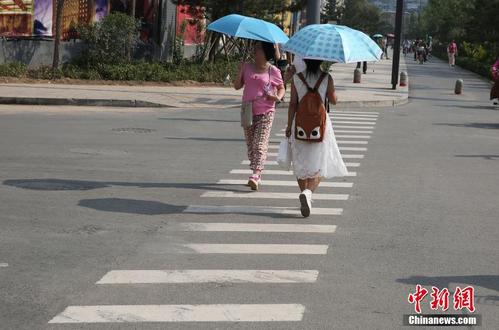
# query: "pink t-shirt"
{"points": [[255, 85]]}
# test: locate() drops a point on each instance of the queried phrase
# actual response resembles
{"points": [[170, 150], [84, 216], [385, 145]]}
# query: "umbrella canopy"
{"points": [[249, 28], [336, 43], [377, 35]]}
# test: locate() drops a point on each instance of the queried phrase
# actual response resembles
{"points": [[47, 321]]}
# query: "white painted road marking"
{"points": [[274, 163], [354, 122], [208, 276], [351, 142], [257, 227], [353, 115], [228, 209], [351, 156], [271, 195], [291, 183], [280, 172], [4, 264], [352, 149], [257, 248], [363, 112], [351, 118], [351, 126], [181, 313]]}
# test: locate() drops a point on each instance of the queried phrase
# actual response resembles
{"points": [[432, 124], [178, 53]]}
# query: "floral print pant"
{"points": [[257, 140]]}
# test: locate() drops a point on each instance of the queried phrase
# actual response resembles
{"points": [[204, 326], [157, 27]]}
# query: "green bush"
{"points": [[14, 69], [111, 40]]}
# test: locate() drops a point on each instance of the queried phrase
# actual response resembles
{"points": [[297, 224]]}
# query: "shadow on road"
{"points": [[489, 157], [472, 125], [77, 185], [133, 206]]}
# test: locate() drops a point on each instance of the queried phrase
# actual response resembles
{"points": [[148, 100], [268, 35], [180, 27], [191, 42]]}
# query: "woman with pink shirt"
{"points": [[494, 92], [263, 86]]}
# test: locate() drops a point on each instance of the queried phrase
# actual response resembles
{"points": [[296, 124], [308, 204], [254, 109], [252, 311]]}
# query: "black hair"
{"points": [[313, 66], [269, 50]]}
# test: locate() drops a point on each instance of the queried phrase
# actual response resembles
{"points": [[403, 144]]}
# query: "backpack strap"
{"points": [[302, 78], [317, 84]]}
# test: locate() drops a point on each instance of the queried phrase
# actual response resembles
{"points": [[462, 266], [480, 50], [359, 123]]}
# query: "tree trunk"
{"points": [[58, 32]]}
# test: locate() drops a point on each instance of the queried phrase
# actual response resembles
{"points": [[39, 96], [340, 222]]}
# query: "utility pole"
{"points": [[313, 12], [396, 46]]}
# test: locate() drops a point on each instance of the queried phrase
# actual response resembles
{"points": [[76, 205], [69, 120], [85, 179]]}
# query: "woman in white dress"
{"points": [[313, 161]]}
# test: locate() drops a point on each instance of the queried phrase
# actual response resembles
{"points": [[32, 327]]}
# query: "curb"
{"points": [[80, 102]]}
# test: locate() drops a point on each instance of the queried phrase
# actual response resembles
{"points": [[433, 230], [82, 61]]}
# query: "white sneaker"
{"points": [[306, 202], [495, 102]]}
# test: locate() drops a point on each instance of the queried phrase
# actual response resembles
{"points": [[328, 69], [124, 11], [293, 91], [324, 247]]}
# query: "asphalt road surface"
{"points": [[138, 219]]}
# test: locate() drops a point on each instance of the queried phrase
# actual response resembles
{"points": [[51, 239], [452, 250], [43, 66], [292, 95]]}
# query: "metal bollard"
{"points": [[458, 89], [403, 79], [357, 74]]}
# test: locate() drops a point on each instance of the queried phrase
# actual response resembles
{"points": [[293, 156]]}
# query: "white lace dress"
{"points": [[312, 159]]}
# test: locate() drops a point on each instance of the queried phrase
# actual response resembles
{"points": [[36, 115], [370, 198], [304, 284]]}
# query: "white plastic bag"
{"points": [[284, 155]]}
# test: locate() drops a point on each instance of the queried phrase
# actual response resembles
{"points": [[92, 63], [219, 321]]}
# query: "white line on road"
{"points": [[352, 156], [350, 126], [208, 276], [274, 163], [257, 227], [353, 149], [354, 122], [287, 183], [236, 209], [181, 313], [271, 195], [351, 131], [353, 115], [351, 142], [4, 264], [280, 172], [362, 112], [334, 118], [256, 248]]}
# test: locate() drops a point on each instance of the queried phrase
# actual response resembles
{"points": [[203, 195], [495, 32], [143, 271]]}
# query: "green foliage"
{"points": [[362, 15], [110, 40], [14, 69], [140, 71]]}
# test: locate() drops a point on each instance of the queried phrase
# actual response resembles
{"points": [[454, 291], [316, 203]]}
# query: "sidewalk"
{"points": [[375, 90]]}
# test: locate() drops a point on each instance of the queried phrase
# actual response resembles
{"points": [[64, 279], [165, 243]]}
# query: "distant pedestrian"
{"points": [[494, 92], [452, 53], [384, 48], [364, 66], [312, 160], [263, 87]]}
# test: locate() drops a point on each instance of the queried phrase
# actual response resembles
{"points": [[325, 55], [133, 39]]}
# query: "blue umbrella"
{"points": [[250, 28], [335, 43]]}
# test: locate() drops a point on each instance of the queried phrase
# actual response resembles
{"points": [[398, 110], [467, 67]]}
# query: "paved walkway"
{"points": [[375, 90]]}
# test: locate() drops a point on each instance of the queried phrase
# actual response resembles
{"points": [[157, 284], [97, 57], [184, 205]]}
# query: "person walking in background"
{"points": [[263, 87], [452, 53], [312, 161], [384, 48], [364, 66], [494, 92]]}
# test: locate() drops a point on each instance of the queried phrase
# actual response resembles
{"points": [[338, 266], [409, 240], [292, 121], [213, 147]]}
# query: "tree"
{"points": [[58, 32], [330, 12], [362, 15]]}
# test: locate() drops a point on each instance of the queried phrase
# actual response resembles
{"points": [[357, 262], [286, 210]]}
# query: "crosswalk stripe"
{"points": [[237, 209], [207, 248], [274, 163], [351, 118], [351, 156], [351, 142], [270, 195], [353, 115], [208, 276], [354, 122], [362, 112], [353, 136], [181, 313], [4, 264], [290, 183], [353, 149], [257, 227], [351, 126], [338, 136], [352, 131], [280, 172]]}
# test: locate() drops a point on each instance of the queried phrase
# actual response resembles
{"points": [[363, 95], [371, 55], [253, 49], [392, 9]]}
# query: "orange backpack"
{"points": [[310, 120]]}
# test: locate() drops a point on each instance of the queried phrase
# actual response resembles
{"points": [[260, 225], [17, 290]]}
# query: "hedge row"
{"points": [[142, 71]]}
